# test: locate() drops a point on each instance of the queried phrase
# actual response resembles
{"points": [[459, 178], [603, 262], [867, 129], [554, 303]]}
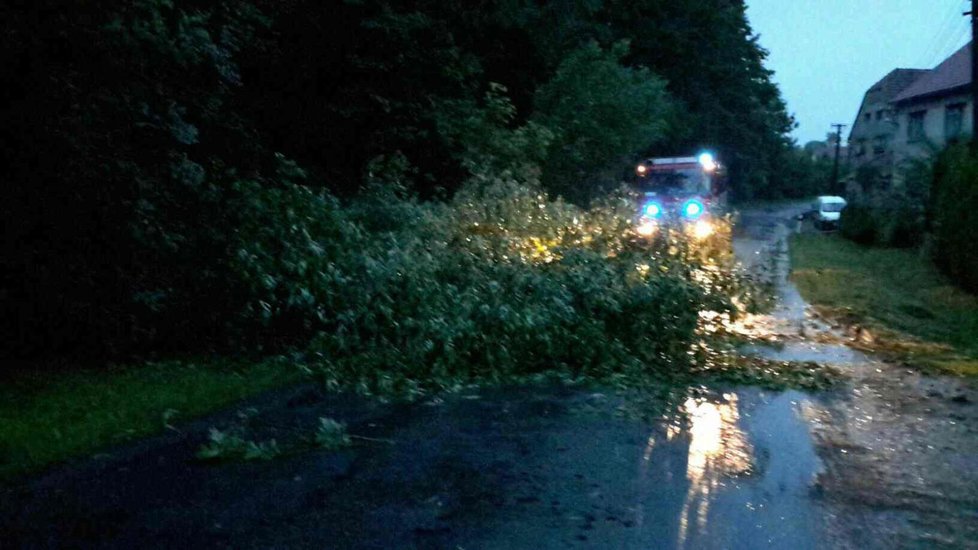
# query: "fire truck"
{"points": [[689, 191]]}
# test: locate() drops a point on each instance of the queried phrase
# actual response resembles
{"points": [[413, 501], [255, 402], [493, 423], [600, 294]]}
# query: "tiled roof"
{"points": [[892, 84], [953, 73], [880, 94]]}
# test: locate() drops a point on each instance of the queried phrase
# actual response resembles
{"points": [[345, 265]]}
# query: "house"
{"points": [[871, 141], [935, 110], [912, 112]]}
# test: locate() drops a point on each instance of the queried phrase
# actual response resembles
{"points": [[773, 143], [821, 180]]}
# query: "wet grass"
{"points": [[902, 302], [48, 417]]}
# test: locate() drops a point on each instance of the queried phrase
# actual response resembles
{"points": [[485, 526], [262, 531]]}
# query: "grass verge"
{"points": [[49, 417], [904, 305]]}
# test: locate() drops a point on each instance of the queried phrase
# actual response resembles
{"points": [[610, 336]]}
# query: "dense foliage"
{"points": [[802, 176], [955, 216], [859, 223], [889, 215], [119, 136], [498, 282], [931, 206], [602, 114], [198, 176]]}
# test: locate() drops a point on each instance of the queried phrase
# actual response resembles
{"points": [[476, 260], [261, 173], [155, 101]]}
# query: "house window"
{"points": [[879, 115], [879, 146], [868, 117], [953, 120], [915, 126]]}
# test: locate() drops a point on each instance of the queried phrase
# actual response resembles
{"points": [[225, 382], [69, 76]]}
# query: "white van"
{"points": [[827, 210]]}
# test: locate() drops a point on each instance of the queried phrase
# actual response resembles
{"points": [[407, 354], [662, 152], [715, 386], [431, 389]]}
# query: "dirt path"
{"points": [[887, 461]]}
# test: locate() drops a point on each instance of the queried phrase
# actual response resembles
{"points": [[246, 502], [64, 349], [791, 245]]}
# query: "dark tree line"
{"points": [[124, 125]]}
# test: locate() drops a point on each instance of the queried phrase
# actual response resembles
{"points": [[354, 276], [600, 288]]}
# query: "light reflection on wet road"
{"points": [[748, 489], [717, 447], [734, 470]]}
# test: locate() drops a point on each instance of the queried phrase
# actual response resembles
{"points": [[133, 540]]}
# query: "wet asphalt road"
{"points": [[522, 468], [551, 467]]}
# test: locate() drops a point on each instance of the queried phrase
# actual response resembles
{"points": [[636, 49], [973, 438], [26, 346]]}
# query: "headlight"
{"points": [[646, 228], [708, 163], [702, 229], [652, 210], [693, 209], [641, 169]]}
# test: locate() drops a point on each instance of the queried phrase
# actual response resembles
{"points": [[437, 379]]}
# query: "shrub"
{"points": [[889, 213], [902, 226], [286, 256], [859, 224], [955, 216]]}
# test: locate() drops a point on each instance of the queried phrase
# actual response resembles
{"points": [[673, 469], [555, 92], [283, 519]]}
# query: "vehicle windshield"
{"points": [[832, 207], [677, 183]]}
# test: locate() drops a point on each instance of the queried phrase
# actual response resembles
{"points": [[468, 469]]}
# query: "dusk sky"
{"points": [[826, 53]]}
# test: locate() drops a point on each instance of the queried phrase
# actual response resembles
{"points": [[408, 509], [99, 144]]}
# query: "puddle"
{"points": [[751, 468], [806, 351], [733, 470]]}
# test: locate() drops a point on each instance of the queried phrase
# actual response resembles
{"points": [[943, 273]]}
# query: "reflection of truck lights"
{"points": [[646, 228], [702, 230]]}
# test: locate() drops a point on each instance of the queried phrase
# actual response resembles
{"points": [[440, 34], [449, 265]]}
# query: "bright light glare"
{"points": [[708, 162], [641, 169], [646, 229], [702, 229], [693, 209], [652, 210]]}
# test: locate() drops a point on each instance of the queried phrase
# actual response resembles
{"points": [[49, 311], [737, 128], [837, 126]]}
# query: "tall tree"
{"points": [[714, 64], [602, 113]]}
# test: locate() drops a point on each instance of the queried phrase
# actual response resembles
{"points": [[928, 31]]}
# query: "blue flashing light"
{"points": [[652, 210], [693, 209]]}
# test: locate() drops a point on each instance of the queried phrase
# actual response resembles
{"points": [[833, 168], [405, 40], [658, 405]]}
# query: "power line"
{"points": [[947, 28], [952, 44], [951, 18], [938, 37]]}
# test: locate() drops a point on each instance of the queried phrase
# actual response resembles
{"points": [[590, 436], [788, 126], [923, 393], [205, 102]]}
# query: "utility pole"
{"points": [[974, 70], [834, 184]]}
